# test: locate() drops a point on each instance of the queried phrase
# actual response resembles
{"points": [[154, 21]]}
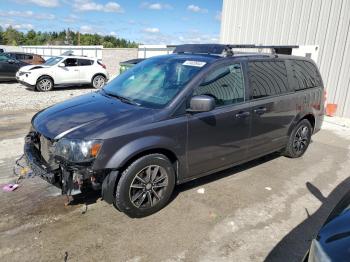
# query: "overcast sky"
{"points": [[158, 22]]}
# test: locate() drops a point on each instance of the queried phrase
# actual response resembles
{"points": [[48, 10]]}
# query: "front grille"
{"points": [[45, 147]]}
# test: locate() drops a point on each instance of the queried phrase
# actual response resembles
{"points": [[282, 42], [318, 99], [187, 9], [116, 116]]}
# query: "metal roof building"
{"points": [[325, 23]]}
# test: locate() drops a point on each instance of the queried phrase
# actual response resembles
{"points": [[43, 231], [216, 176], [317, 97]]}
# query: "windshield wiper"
{"points": [[124, 99]]}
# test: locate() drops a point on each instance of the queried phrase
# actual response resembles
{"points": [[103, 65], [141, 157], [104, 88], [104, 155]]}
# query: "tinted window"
{"points": [[85, 62], [4, 58], [13, 56], [225, 85], [28, 57], [19, 56], [71, 62], [305, 74], [267, 78]]}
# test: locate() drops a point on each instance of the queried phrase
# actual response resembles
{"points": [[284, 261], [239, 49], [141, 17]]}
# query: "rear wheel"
{"points": [[44, 84], [299, 139], [98, 81], [145, 186]]}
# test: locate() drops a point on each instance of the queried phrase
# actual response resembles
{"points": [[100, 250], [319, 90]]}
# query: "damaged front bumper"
{"points": [[37, 164], [73, 179]]}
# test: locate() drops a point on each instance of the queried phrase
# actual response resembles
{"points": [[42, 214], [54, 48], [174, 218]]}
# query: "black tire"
{"points": [[136, 198], [299, 139], [98, 81], [44, 84]]}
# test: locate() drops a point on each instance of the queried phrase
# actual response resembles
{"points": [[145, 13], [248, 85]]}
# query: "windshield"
{"points": [[52, 61], [155, 81], [4, 57]]}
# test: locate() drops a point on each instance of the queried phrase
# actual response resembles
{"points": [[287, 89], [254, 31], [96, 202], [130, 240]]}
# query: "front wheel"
{"points": [[299, 139], [98, 81], [145, 186], [44, 84]]}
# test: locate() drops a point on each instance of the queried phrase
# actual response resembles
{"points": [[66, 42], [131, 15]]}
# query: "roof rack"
{"points": [[71, 53], [216, 49], [226, 50]]}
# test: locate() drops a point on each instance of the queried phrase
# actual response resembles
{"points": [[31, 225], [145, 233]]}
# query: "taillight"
{"points": [[103, 65]]}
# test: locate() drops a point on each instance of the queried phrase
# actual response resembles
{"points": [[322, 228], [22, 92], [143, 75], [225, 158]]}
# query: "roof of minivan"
{"points": [[203, 57], [213, 57], [227, 51], [269, 56]]}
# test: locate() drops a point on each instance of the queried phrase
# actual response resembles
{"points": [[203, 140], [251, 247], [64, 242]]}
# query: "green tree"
{"points": [[1, 36], [107, 44], [13, 37], [30, 38]]}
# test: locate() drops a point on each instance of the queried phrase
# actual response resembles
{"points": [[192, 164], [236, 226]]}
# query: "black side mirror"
{"points": [[11, 61], [202, 103]]}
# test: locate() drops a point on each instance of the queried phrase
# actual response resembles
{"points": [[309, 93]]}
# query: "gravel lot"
{"points": [[14, 96]]}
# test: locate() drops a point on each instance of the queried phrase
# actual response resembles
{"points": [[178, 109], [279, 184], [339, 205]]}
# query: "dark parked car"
{"points": [[129, 64], [31, 59], [9, 67], [333, 240], [174, 118]]}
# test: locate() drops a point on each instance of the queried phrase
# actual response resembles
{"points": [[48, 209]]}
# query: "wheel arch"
{"points": [[311, 118], [143, 146], [45, 75], [308, 116], [157, 150]]}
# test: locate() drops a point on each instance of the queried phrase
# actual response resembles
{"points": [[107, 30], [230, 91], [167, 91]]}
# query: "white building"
{"points": [[325, 23]]}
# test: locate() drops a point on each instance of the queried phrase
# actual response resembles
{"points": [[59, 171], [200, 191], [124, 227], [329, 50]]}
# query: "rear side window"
{"points": [[225, 85], [71, 62], [20, 57], [305, 74], [28, 57], [85, 62], [267, 78]]}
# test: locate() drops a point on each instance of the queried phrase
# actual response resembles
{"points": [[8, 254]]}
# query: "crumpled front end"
{"points": [[72, 178]]}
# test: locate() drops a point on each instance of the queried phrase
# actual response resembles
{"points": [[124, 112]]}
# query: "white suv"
{"points": [[64, 71]]}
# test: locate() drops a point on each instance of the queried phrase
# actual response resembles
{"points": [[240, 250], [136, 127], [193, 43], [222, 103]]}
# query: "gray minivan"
{"points": [[174, 118]]}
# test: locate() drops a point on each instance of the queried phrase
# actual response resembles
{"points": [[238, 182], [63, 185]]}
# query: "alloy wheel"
{"points": [[301, 139], [99, 82], [148, 186], [45, 84]]}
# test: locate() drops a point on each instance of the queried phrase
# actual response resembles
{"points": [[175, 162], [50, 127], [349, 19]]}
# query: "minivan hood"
{"points": [[88, 116]]}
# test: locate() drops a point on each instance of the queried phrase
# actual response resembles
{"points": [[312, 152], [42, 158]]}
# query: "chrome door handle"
{"points": [[242, 114], [260, 111]]}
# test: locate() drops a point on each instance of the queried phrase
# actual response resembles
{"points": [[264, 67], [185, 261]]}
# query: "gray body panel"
{"points": [[201, 143]]}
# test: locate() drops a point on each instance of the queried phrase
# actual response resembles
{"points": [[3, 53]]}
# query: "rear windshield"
{"points": [[155, 81]]}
